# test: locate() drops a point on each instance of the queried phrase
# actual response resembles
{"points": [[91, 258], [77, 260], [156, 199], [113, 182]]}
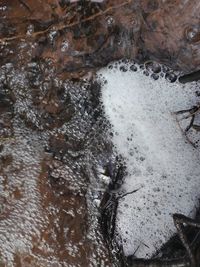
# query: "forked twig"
{"points": [[193, 111]]}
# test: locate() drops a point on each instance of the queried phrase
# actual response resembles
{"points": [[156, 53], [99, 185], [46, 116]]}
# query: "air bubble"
{"points": [[64, 46], [192, 33], [155, 76], [133, 68], [146, 73], [154, 67], [171, 77], [110, 20], [165, 69], [30, 30], [123, 68]]}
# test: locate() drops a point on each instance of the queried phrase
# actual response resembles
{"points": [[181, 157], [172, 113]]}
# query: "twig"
{"points": [[179, 220], [183, 133], [128, 193], [193, 111], [25, 5], [196, 127], [191, 124]]}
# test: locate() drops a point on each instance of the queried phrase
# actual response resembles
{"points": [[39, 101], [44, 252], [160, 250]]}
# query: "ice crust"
{"points": [[160, 161]]}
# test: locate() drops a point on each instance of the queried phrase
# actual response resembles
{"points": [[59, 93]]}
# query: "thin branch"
{"points": [[128, 193], [25, 5], [192, 112], [191, 124], [183, 132]]}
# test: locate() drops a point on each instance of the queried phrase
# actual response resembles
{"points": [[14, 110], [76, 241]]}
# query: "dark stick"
{"points": [[179, 220]]}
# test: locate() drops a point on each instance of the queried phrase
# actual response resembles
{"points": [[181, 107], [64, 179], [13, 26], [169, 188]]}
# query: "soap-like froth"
{"points": [[161, 163]]}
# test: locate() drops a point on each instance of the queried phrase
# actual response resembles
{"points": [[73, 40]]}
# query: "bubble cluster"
{"points": [[21, 213], [54, 156]]}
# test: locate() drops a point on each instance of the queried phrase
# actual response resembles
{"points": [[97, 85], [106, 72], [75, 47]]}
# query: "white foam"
{"points": [[160, 162]]}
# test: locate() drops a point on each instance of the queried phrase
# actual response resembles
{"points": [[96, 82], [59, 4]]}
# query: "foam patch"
{"points": [[162, 166]]}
